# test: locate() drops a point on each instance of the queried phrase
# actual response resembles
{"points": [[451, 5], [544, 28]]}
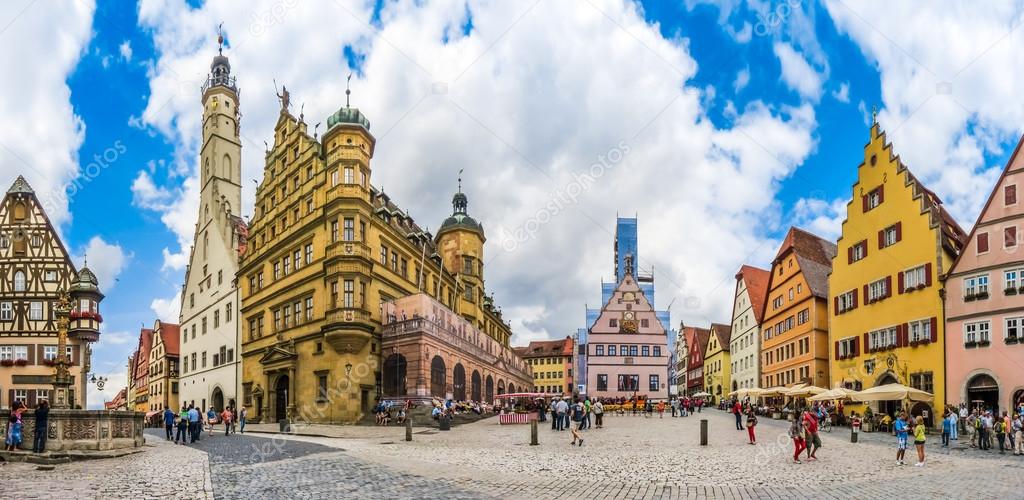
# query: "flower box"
{"points": [[1012, 339], [21, 362], [969, 297], [50, 362], [981, 296], [983, 343], [6, 362], [1010, 291], [920, 286]]}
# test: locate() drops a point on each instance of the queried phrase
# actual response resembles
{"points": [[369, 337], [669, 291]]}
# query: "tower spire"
{"points": [[348, 90], [220, 38], [460, 179]]}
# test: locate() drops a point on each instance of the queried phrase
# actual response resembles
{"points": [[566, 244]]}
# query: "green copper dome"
{"points": [[86, 282], [348, 115], [460, 219]]}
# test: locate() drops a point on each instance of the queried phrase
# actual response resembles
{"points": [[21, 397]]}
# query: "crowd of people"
{"points": [[190, 423], [985, 428]]}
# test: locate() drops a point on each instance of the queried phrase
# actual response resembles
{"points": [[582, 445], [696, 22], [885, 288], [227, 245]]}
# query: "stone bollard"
{"points": [[408, 429], [533, 433], [703, 432]]}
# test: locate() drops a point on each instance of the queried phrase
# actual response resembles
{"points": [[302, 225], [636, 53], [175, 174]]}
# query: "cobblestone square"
{"points": [[631, 457]]}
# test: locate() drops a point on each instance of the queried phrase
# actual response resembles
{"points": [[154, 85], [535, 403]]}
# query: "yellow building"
{"points": [[552, 362], [717, 362], [326, 251], [886, 322], [794, 326]]}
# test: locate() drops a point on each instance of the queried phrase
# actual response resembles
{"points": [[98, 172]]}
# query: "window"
{"points": [[35, 310], [203, 365], [922, 381], [874, 198], [975, 286], [334, 178], [858, 251], [847, 347], [657, 351], [227, 313], [889, 236], [803, 316], [1013, 326], [655, 383], [982, 243], [645, 350], [19, 281], [350, 229], [611, 350], [348, 293], [350, 177], [882, 339], [914, 278], [1011, 278], [287, 319], [613, 323], [42, 395], [309, 308], [776, 302], [297, 259], [204, 326], [632, 350], [790, 294], [321, 387], [383, 255], [277, 270], [50, 352], [6, 311], [50, 276], [878, 290], [1010, 195], [846, 301], [309, 253], [629, 383], [334, 230], [287, 265], [921, 331], [599, 350], [21, 395], [1009, 237], [976, 332]]}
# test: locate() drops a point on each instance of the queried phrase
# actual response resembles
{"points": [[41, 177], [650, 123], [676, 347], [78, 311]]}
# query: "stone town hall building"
{"points": [[326, 254]]}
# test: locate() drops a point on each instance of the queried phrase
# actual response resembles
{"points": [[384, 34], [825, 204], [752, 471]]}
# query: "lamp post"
{"points": [[99, 381]]}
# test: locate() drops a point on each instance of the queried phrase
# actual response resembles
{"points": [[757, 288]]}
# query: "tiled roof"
{"points": [[702, 337], [171, 336], [814, 254], [544, 348], [724, 333], [757, 287]]}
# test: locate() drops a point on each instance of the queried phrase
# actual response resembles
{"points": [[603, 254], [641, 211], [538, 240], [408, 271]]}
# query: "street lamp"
{"points": [[99, 381]]}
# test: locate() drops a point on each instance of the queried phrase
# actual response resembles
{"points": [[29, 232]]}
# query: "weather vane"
{"points": [[220, 38], [460, 179], [348, 89]]}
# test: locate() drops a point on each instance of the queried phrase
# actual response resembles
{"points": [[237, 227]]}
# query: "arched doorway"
{"points": [[511, 388], [489, 389], [501, 387], [217, 399], [983, 392], [1018, 398], [394, 375], [475, 386], [459, 382], [438, 377], [281, 398], [888, 407]]}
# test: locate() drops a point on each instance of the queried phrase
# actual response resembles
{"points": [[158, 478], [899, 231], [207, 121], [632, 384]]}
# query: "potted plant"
{"points": [[983, 343], [6, 362], [1010, 291], [50, 362], [1012, 339], [21, 362]]}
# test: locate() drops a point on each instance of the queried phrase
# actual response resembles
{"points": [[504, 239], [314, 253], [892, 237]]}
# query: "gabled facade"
{"points": [[716, 362], [794, 327], [209, 339], [163, 368], [34, 267], [140, 372], [745, 341], [628, 350], [887, 313], [695, 364], [985, 302], [684, 340]]}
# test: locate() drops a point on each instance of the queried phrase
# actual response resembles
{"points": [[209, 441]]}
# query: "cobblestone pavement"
{"points": [[632, 457]]}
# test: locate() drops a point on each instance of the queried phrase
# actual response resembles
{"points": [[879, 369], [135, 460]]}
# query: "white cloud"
{"points": [[116, 380], [125, 49], [742, 79], [842, 94], [948, 84], [519, 96], [105, 260], [168, 310], [40, 134], [821, 217], [797, 73], [117, 338]]}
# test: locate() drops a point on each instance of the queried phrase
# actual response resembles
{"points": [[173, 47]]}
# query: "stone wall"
{"points": [[82, 429]]}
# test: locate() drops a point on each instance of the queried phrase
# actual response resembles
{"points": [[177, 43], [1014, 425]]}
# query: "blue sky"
{"points": [[751, 118]]}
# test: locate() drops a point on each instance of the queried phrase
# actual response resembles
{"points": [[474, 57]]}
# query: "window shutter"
{"points": [[888, 286], [31, 398], [928, 274], [866, 296], [835, 304], [935, 329], [864, 246], [31, 354], [982, 242], [849, 255], [10, 395], [881, 239], [867, 341], [906, 334], [881, 194], [856, 346], [899, 278], [864, 202], [837, 357], [899, 231], [854, 306]]}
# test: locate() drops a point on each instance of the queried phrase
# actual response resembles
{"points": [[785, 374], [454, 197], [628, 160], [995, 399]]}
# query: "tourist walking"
{"points": [[554, 414], [194, 424], [919, 437], [661, 409], [900, 426], [737, 411], [562, 408], [169, 423], [42, 424], [796, 433], [1008, 429], [947, 425], [587, 408], [813, 441], [599, 414], [962, 420], [577, 416], [954, 431], [999, 427], [675, 406], [14, 425], [751, 423], [1018, 434], [226, 417], [211, 419], [241, 420], [984, 436], [182, 426], [972, 426]]}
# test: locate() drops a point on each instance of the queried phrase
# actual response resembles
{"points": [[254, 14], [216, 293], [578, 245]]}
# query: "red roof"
{"points": [[724, 333], [544, 348], [757, 287], [170, 334], [702, 336], [142, 356]]}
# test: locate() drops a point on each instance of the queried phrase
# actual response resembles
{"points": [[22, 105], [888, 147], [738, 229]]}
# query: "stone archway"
{"points": [[395, 375], [511, 388], [489, 389], [459, 382], [438, 377], [983, 392], [501, 387], [217, 399], [475, 386]]}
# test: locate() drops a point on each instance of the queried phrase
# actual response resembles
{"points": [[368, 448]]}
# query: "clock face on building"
{"points": [[629, 326], [628, 315]]}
